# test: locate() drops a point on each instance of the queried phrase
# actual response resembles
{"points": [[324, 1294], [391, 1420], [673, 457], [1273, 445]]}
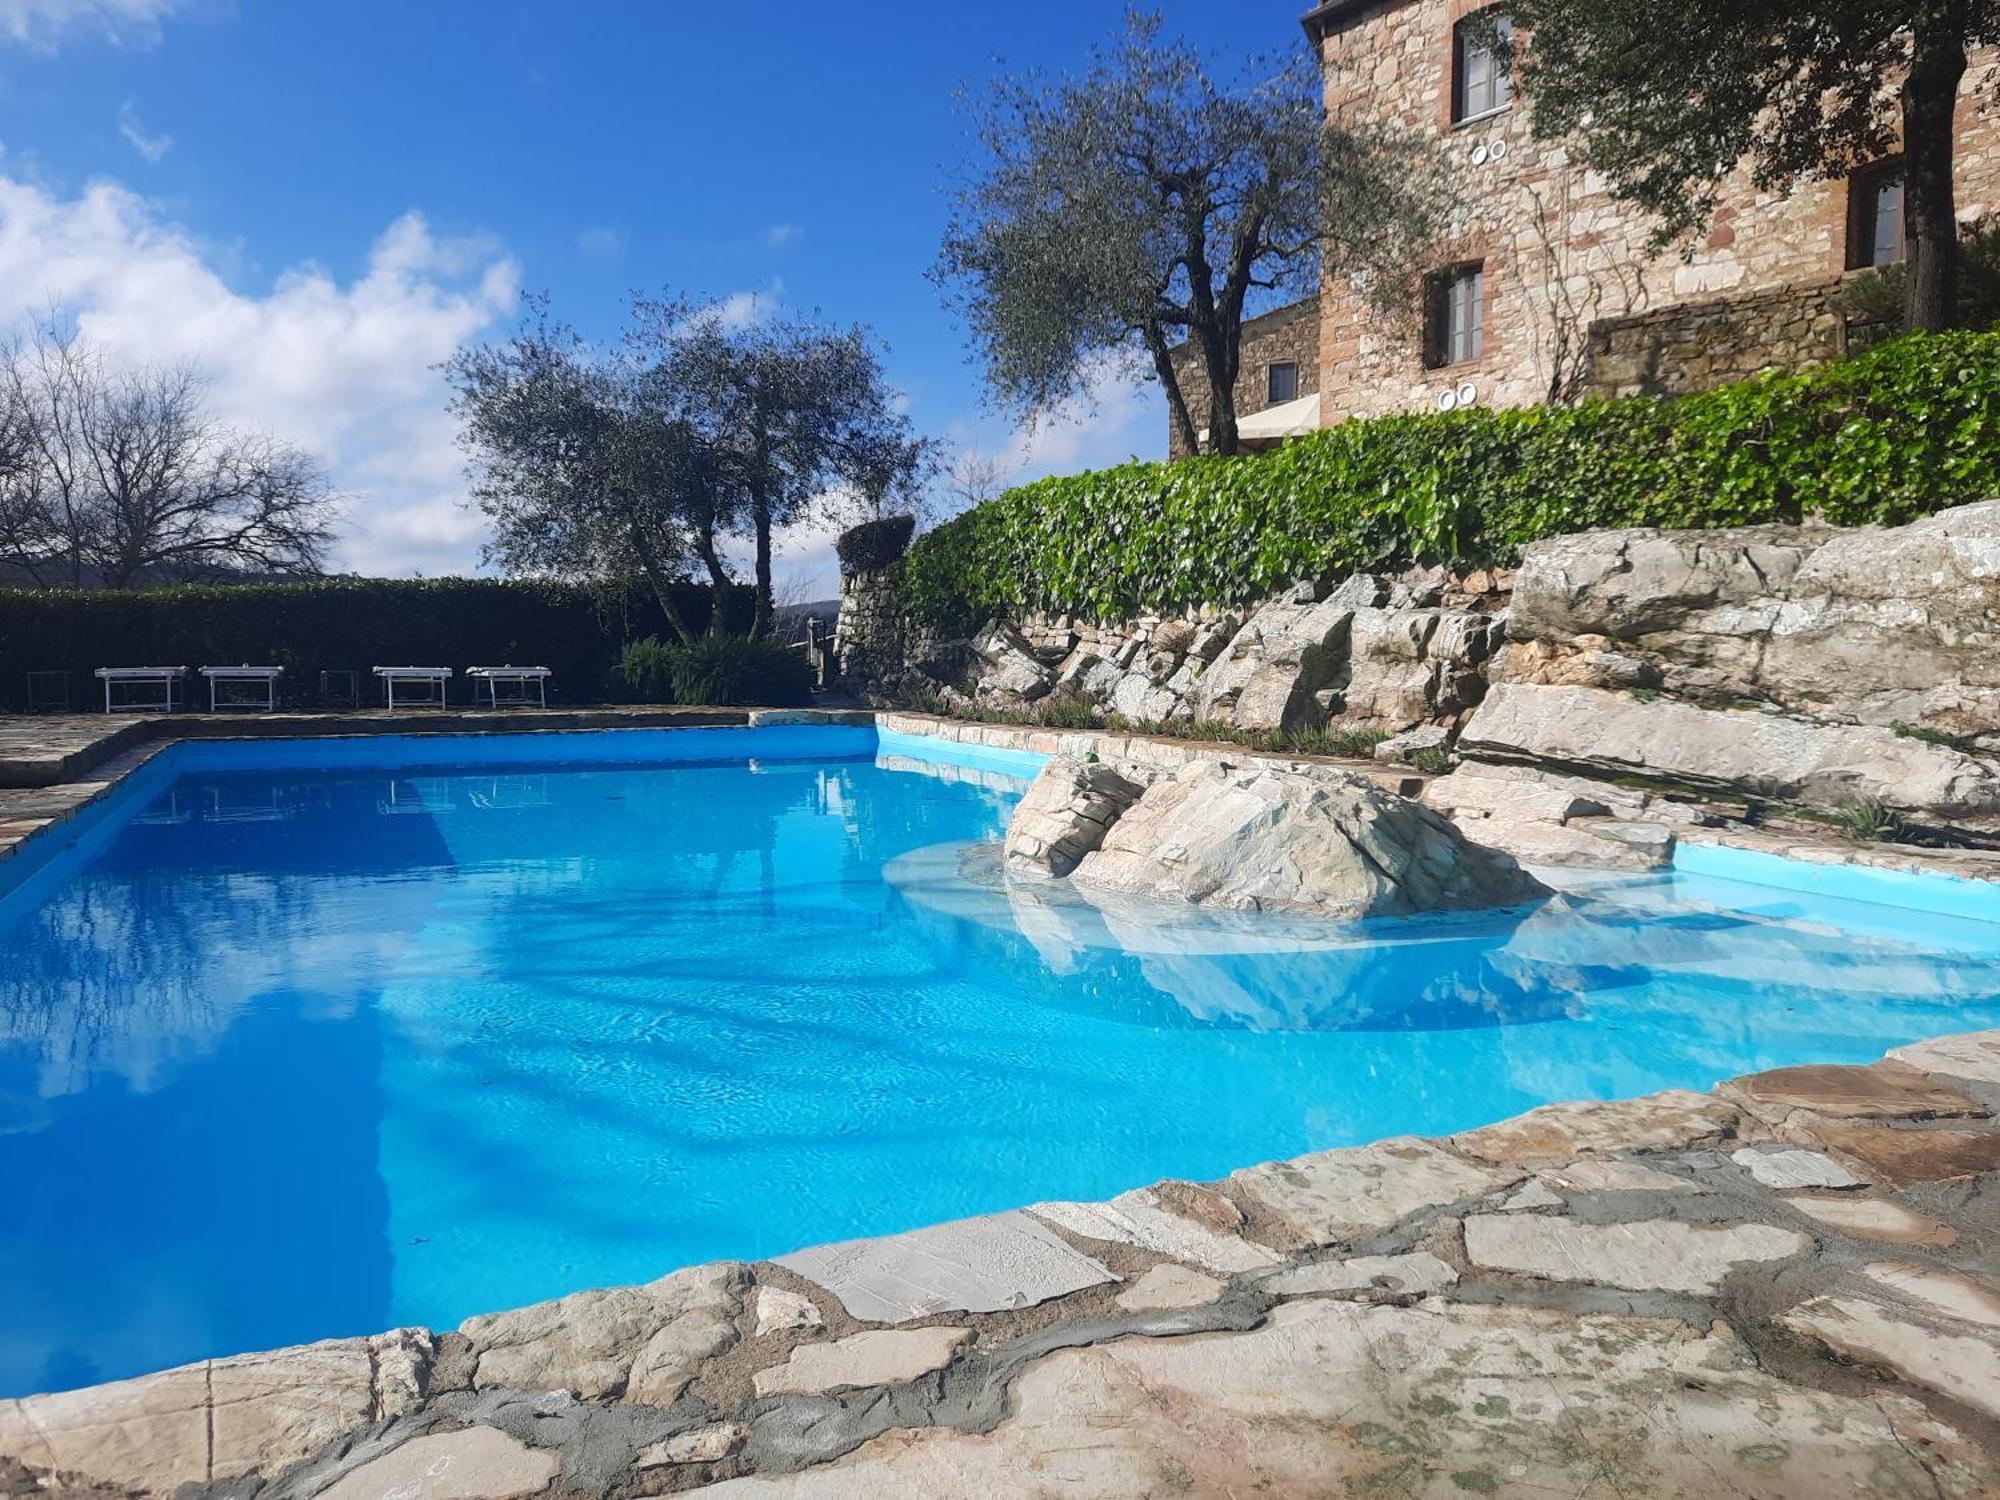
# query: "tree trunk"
{"points": [[1170, 381], [1220, 360], [718, 581], [663, 591], [1930, 215], [760, 618]]}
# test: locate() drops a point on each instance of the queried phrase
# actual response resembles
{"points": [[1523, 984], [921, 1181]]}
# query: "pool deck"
{"points": [[1782, 1287], [1787, 1286]]}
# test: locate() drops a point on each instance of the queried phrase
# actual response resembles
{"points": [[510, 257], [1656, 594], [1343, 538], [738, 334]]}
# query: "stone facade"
{"points": [[1286, 335], [1574, 302]]}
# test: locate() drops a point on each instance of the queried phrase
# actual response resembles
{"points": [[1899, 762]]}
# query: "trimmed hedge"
{"points": [[338, 623], [873, 545], [1909, 428]]}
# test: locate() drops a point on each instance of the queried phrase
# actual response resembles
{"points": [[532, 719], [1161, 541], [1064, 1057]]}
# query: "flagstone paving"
{"points": [[1787, 1287]]}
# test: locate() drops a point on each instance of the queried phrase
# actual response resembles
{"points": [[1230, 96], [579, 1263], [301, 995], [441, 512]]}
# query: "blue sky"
{"points": [[318, 199]]}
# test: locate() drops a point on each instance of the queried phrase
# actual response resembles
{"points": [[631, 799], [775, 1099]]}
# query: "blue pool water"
{"points": [[307, 1040]]}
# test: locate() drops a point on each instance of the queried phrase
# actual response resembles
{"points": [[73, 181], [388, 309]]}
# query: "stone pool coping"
{"points": [[1781, 1286]]}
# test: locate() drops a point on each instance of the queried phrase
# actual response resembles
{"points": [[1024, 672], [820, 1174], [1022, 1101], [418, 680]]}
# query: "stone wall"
{"points": [[1559, 253], [1785, 664], [1288, 334], [1696, 346], [868, 636]]}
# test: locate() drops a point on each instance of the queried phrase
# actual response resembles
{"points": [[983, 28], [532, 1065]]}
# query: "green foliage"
{"points": [[1871, 821], [873, 545], [1150, 200], [1906, 429], [644, 672], [1432, 760], [1879, 297], [734, 671], [350, 624]]}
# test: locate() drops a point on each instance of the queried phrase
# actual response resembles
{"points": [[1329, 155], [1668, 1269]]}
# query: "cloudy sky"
{"points": [[318, 200]]}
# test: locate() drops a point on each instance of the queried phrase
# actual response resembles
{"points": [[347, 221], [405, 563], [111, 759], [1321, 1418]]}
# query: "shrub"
{"points": [[1880, 296], [874, 545], [644, 672], [1908, 428], [717, 671], [340, 623]]}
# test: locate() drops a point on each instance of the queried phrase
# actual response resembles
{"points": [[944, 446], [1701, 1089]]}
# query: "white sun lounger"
{"points": [[161, 679], [431, 679], [265, 679], [518, 678]]}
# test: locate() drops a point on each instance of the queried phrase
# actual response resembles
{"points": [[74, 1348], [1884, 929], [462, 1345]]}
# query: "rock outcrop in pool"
{"points": [[1260, 837]]}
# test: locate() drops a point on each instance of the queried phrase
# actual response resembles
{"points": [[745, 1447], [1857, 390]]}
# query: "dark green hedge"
{"points": [[873, 545], [1906, 429], [338, 623]]}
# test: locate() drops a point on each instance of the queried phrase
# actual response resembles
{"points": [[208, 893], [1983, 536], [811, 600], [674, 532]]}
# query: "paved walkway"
{"points": [[1785, 1287]]}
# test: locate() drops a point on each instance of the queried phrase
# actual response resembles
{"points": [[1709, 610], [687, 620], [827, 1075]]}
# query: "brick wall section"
{"points": [[1561, 256], [1288, 333]]}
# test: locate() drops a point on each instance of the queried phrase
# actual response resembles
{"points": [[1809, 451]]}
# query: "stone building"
{"points": [[1277, 385], [1544, 288]]}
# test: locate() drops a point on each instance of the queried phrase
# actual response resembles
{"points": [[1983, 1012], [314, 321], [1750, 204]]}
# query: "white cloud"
{"points": [[343, 369], [743, 309], [45, 24], [780, 235], [600, 243], [152, 147]]}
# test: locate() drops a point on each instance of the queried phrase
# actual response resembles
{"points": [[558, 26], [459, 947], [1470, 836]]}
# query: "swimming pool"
{"points": [[304, 1039]]}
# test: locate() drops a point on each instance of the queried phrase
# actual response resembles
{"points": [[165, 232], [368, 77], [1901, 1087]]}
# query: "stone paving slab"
{"points": [[1140, 1219], [987, 1264]]}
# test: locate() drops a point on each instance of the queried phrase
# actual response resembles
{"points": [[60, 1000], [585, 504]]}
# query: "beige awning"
{"points": [[1293, 419]]}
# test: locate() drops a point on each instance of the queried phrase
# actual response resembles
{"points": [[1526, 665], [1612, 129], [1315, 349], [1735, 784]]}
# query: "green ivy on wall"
{"points": [[1908, 428]]}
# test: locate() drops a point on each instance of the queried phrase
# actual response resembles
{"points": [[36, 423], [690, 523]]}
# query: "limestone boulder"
{"points": [[1138, 698], [1269, 837], [1266, 677], [1088, 678], [1879, 625], [1064, 816], [1691, 591], [1898, 624], [1765, 755], [1009, 669]]}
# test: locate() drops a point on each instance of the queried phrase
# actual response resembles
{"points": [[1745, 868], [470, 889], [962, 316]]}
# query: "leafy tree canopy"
{"points": [[1146, 202], [1667, 102]]}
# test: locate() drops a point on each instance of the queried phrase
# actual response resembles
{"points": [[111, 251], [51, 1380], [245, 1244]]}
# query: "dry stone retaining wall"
{"points": [[1788, 664]]}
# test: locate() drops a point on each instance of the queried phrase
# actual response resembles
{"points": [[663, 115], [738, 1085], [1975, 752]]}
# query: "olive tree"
{"points": [[1667, 103], [1147, 202], [582, 470], [798, 420]]}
